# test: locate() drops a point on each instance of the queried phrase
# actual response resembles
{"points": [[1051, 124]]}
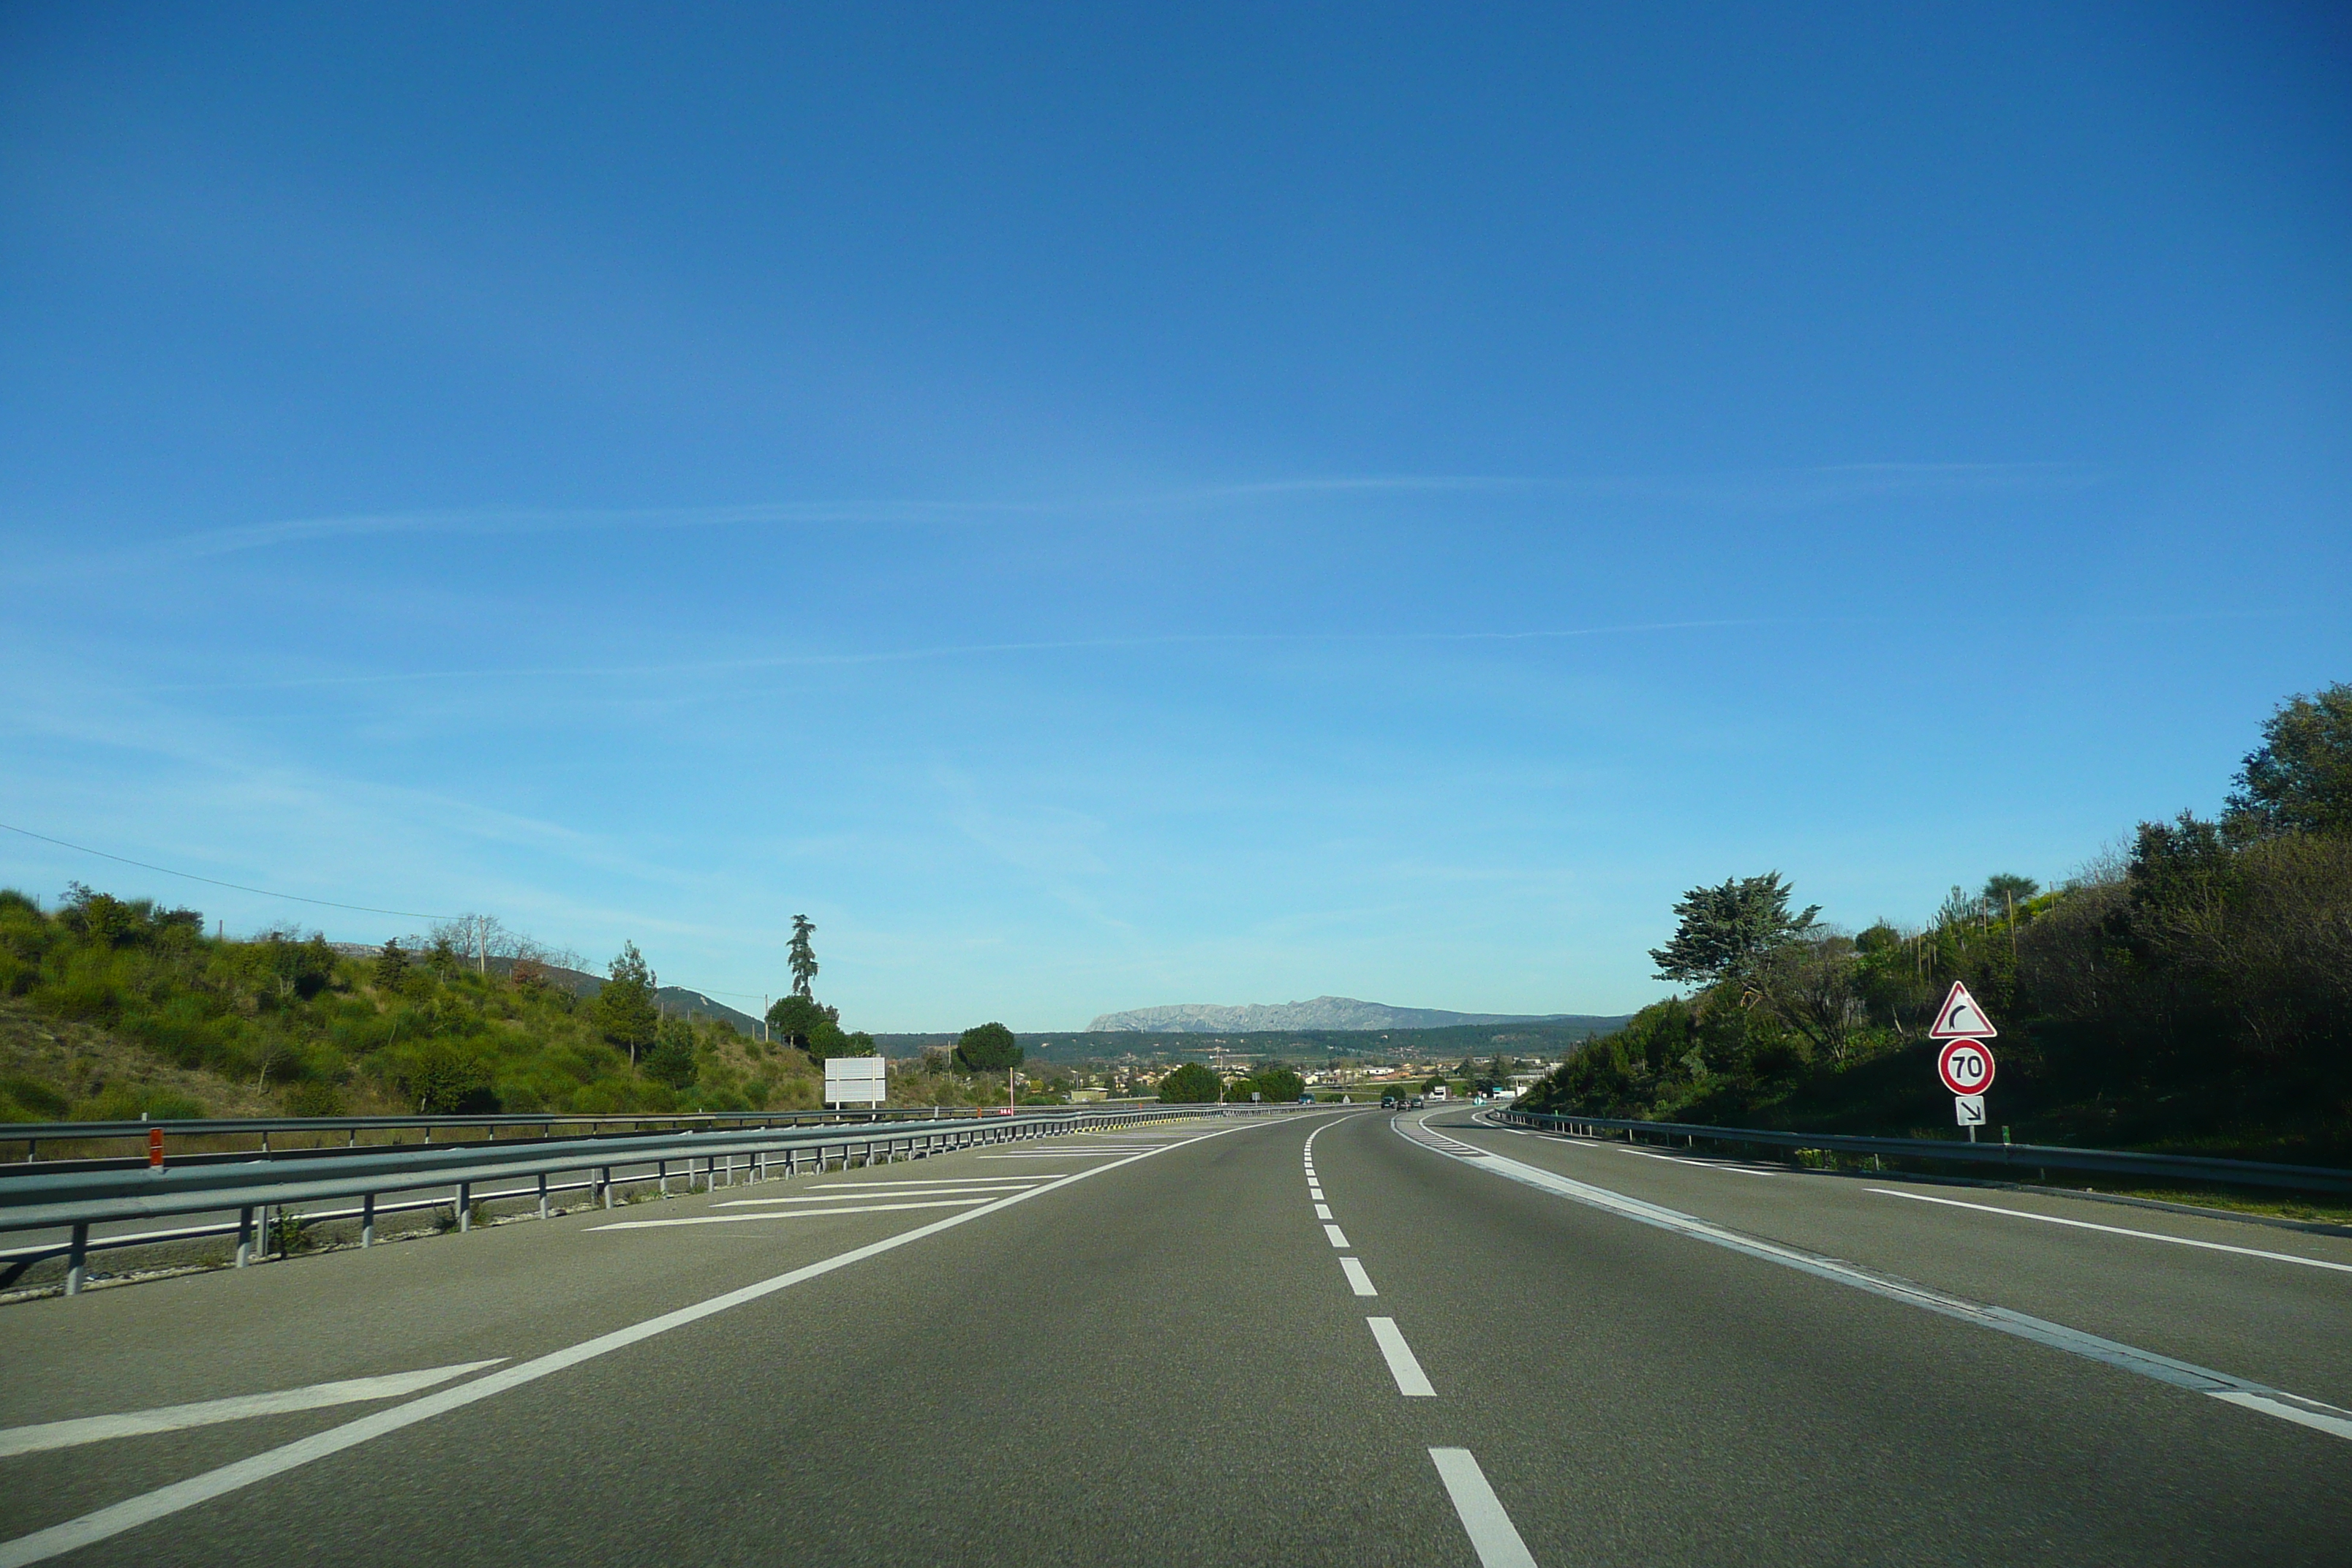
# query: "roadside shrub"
{"points": [[315, 1099], [128, 1102]]}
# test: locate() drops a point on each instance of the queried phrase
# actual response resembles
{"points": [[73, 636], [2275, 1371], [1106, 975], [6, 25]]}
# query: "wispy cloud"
{"points": [[1771, 489], [750, 665]]}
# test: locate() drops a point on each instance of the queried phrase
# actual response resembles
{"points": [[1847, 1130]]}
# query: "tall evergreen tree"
{"points": [[803, 955], [625, 1008], [1724, 931]]}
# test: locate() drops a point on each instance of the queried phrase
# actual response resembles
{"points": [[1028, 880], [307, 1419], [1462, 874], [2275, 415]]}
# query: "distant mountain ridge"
{"points": [[1323, 1012]]}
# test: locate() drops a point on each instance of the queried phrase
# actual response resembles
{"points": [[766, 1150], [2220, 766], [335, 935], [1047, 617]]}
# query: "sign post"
{"points": [[1964, 1064]]}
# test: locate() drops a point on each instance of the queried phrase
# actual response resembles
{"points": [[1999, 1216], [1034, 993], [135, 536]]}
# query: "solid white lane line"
{"points": [[1073, 1155], [1359, 1281], [1411, 1381], [1337, 1237], [104, 1523], [1322, 1211], [2268, 1401], [1699, 1164], [2339, 1424], [828, 1211], [49, 1435], [2119, 1230], [866, 1196], [1492, 1534]]}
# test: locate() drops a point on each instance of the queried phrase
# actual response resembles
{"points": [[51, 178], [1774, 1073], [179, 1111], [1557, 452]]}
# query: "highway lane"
{"points": [[1698, 1406], [1169, 1361], [2283, 1319]]}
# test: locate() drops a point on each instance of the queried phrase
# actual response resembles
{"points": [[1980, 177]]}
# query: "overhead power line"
{"points": [[216, 881]]}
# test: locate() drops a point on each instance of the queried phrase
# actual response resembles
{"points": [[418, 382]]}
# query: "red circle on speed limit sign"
{"points": [[1966, 1064]]}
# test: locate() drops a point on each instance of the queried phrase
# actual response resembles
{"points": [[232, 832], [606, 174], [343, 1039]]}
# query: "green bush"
{"points": [[315, 1100], [1190, 1084]]}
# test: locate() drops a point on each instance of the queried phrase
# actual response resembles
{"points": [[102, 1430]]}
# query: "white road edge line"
{"points": [[1357, 1281], [974, 1183], [1492, 1535], [1411, 1381], [2255, 1396], [865, 1197], [828, 1211], [1700, 1164], [50, 1435], [2118, 1230], [165, 1501]]}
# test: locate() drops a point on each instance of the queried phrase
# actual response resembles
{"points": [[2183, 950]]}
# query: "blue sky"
{"points": [[1204, 504]]}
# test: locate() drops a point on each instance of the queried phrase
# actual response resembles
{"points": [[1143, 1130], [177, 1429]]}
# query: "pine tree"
{"points": [[804, 956]]}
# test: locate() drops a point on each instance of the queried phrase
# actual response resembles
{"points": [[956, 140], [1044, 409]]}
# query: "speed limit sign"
{"points": [[1966, 1067]]}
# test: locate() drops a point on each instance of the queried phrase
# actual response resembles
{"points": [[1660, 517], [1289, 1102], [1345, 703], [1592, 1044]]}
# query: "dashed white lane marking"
{"points": [[857, 1198], [2119, 1230], [1492, 1535], [2248, 1395], [1322, 1211], [207, 1412], [1314, 1191], [825, 1213], [104, 1523], [1357, 1279], [1338, 1237], [1411, 1381]]}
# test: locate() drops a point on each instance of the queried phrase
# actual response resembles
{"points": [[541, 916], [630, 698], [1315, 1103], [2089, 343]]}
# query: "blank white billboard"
{"points": [[855, 1080]]}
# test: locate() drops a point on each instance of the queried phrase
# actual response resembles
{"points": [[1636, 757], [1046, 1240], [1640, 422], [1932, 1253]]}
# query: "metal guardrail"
{"points": [[2009, 1156], [33, 1135], [74, 1198]]}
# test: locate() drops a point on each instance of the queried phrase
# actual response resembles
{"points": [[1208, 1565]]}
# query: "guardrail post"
{"points": [[542, 1195], [77, 1260], [663, 1166], [604, 1185], [243, 1236], [465, 1207], [367, 1220]]}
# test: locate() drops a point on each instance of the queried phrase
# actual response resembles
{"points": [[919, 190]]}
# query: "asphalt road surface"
{"points": [[1332, 1338]]}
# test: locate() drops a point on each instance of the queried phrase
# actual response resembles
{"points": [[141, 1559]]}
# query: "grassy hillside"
{"points": [[113, 1007], [54, 1070]]}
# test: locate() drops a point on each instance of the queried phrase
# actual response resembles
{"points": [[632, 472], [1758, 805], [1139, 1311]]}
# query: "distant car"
{"points": [[1417, 1103], [1388, 1102], [1306, 1099]]}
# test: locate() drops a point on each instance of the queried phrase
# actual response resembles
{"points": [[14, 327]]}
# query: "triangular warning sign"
{"points": [[1961, 1018]]}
